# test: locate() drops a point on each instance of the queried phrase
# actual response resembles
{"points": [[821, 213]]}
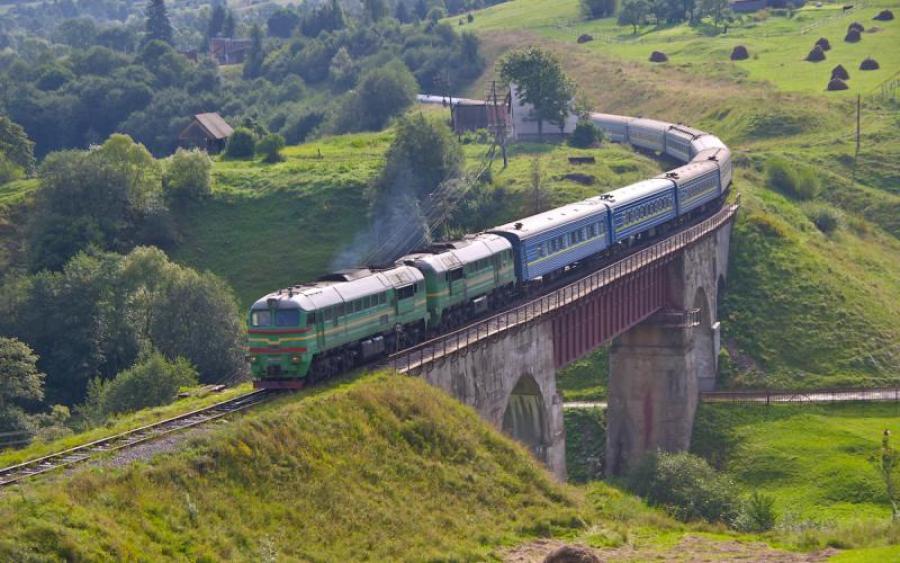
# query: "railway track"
{"points": [[129, 439]]}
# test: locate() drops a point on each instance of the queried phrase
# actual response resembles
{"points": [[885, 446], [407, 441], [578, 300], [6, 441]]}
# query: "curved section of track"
{"points": [[86, 452]]}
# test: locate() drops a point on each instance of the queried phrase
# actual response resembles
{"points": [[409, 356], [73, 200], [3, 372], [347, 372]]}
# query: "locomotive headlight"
{"points": [[295, 359], [251, 359]]}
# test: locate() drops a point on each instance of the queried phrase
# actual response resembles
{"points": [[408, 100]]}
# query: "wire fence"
{"points": [[817, 396]]}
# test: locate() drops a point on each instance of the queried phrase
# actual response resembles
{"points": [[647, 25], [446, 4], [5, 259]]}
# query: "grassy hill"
{"points": [[818, 462], [803, 308]]}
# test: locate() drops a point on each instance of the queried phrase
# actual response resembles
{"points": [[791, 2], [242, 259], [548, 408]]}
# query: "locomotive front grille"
{"points": [[273, 370]]}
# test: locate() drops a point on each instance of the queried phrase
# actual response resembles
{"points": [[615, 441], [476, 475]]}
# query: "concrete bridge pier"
{"points": [[510, 380], [652, 392]]}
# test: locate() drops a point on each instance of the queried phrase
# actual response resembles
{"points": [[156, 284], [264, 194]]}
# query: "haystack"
{"points": [[585, 37], [739, 53], [658, 57], [816, 55], [836, 84], [840, 73], [884, 16], [868, 64], [857, 26], [824, 44], [853, 36], [571, 554]]}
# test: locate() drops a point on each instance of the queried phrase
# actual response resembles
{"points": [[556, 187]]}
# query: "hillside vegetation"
{"points": [[804, 307], [386, 468], [818, 462]]}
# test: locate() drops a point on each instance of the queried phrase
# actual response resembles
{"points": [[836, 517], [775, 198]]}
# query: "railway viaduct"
{"points": [[657, 307]]}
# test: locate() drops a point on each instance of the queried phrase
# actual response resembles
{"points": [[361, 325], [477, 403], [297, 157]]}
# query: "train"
{"points": [[310, 331]]}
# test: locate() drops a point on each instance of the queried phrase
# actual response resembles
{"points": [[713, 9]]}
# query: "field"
{"points": [[777, 40], [818, 462]]}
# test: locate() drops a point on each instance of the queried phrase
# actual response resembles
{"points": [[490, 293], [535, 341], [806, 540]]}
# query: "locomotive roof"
{"points": [[636, 191], [707, 142], [454, 254], [537, 224], [645, 123], [332, 289]]}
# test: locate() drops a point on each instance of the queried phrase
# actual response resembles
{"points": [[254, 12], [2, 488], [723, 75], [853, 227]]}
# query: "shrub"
{"points": [[825, 217], [187, 175], [585, 135], [270, 147], [794, 180], [151, 382], [757, 514], [242, 144], [593, 9], [685, 486]]}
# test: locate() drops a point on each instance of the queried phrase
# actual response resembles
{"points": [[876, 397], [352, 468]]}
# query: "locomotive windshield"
{"points": [[261, 318], [282, 317]]}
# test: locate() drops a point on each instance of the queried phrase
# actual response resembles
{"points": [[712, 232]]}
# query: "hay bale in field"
{"points": [[816, 55], [857, 26], [840, 73], [836, 84], [585, 37], [658, 57], [824, 44], [571, 554], [868, 64], [853, 36], [884, 16], [739, 53]]}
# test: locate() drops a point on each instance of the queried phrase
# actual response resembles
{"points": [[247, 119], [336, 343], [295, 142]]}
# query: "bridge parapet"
{"points": [[567, 300]]}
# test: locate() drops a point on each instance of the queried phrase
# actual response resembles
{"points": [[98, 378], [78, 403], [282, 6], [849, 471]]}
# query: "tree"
{"points": [[402, 13], [158, 27], [633, 12], [255, 56], [282, 23], [270, 147], [585, 134], [241, 144], [229, 26], [187, 176], [151, 382], [421, 9], [342, 71], [593, 9], [718, 10], [383, 93], [216, 22], [375, 10], [541, 82], [15, 144], [20, 381]]}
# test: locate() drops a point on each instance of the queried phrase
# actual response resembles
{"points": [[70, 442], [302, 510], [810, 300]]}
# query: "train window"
{"points": [[287, 317], [312, 318], [573, 238], [261, 318], [456, 274], [382, 299], [357, 305], [406, 292]]}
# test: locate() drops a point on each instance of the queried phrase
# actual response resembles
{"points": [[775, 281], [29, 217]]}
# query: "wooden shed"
{"points": [[207, 131]]}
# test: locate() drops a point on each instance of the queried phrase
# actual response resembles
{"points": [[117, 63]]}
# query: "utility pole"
{"points": [[499, 121], [856, 155]]}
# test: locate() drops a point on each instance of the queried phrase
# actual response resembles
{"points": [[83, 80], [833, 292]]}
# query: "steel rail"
{"points": [[128, 439]]}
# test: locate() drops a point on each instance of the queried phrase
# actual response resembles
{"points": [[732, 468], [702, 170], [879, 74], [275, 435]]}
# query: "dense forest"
{"points": [[95, 320]]}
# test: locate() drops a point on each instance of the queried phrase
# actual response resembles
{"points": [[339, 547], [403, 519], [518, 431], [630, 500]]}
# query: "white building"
{"points": [[525, 126]]}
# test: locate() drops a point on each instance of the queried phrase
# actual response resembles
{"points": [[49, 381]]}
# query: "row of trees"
{"points": [[637, 12]]}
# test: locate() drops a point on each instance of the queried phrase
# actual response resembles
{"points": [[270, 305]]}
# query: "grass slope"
{"points": [[387, 468], [803, 309], [818, 462]]}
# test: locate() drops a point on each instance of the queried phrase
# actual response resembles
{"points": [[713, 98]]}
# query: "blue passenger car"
{"points": [[640, 207], [546, 243], [697, 183]]}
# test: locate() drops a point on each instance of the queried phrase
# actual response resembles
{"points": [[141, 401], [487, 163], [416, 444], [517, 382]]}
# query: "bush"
{"points": [[685, 486], [757, 514], [383, 92], [825, 217], [593, 9], [242, 144], [585, 135], [151, 382], [270, 147], [792, 179], [187, 175]]}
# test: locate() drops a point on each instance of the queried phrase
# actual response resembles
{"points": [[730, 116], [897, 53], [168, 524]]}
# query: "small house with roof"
{"points": [[229, 51], [206, 131]]}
